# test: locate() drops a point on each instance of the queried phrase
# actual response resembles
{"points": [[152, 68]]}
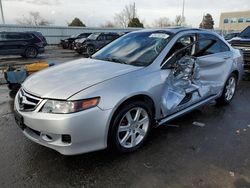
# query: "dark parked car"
{"points": [[68, 42], [26, 44], [230, 36], [40, 36], [242, 42], [95, 42]]}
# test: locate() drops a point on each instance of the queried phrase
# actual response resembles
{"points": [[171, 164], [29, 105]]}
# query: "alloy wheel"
{"points": [[133, 127], [230, 88]]}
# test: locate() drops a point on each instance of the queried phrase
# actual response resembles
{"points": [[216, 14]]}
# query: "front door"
{"points": [[196, 72]]}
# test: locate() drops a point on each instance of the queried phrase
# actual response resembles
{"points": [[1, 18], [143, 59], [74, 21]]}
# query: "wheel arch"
{"points": [[137, 97]]}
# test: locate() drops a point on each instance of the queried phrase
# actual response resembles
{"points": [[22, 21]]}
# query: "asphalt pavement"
{"points": [[215, 152]]}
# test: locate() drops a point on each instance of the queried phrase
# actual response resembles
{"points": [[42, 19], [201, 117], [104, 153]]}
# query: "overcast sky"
{"points": [[97, 12]]}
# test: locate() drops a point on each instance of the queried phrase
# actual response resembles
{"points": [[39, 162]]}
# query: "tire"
{"points": [[228, 91], [90, 50], [30, 52], [65, 45], [128, 135]]}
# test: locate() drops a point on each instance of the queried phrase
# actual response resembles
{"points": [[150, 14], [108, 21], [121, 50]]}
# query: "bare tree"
{"points": [[179, 20], [33, 19], [108, 24], [123, 18], [162, 22]]}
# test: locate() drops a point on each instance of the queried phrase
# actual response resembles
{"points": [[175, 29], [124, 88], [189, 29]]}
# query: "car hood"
{"points": [[240, 39], [63, 81]]}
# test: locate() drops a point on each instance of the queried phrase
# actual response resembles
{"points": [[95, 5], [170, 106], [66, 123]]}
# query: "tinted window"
{"points": [[109, 37], [13, 36], [101, 37], [209, 44], [2, 36], [226, 20], [245, 33]]}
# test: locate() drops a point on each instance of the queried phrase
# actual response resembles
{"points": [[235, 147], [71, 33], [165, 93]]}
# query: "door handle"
{"points": [[227, 57]]}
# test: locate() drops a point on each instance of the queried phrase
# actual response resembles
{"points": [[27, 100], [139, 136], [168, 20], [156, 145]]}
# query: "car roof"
{"points": [[173, 30]]}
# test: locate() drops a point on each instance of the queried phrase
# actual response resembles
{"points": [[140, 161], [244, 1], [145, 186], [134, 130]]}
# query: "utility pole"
{"points": [[183, 13], [134, 11], [1, 7]]}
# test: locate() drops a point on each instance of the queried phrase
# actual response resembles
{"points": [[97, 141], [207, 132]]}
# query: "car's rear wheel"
{"points": [[31, 52], [130, 127], [229, 90]]}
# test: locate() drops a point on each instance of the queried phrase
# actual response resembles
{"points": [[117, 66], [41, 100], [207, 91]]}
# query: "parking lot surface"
{"points": [[214, 153]]}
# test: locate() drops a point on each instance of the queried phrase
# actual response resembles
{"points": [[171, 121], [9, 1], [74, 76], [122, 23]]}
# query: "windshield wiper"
{"points": [[115, 60]]}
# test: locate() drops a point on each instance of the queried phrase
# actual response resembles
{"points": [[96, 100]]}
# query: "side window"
{"points": [[209, 44], [109, 37], [13, 36], [2, 36], [182, 42], [101, 37]]}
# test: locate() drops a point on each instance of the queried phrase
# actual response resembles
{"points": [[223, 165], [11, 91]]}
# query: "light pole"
{"points": [[1, 7], [183, 12]]}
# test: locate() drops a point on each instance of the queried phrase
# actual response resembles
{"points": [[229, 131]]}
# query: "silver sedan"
{"points": [[140, 81]]}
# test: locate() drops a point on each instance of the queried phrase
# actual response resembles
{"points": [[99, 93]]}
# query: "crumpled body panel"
{"points": [[184, 86]]}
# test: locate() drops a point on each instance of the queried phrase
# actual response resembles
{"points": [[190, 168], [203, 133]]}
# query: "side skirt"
{"points": [[186, 110]]}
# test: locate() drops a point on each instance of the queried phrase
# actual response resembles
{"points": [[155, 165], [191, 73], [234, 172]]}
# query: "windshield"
{"points": [[245, 33], [93, 36], [139, 48]]}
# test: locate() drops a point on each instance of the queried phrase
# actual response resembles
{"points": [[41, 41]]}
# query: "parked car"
{"points": [[242, 42], [26, 44], [40, 36], [67, 43], [230, 36], [95, 42], [139, 81]]}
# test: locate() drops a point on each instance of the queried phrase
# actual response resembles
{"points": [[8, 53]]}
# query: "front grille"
{"points": [[27, 102]]}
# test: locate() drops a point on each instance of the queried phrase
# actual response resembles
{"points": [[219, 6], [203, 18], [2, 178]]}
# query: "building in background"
{"points": [[234, 21]]}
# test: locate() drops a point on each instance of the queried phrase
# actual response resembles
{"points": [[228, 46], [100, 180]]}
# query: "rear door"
{"points": [[213, 64], [3, 43], [101, 41]]}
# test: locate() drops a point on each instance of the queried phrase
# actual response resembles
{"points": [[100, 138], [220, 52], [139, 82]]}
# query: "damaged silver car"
{"points": [[140, 81]]}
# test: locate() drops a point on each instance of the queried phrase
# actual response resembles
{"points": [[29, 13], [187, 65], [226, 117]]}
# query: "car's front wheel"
{"points": [[229, 90], [90, 50], [130, 127]]}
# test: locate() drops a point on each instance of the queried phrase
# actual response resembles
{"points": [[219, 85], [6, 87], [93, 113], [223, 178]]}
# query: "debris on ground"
{"points": [[231, 173], [199, 124], [147, 165], [172, 125]]}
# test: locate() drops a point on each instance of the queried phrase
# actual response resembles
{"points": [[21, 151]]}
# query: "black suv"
{"points": [[26, 44], [68, 42], [242, 42], [95, 42]]}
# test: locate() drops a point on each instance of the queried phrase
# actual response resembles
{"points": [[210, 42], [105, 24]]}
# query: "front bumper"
{"points": [[87, 129]]}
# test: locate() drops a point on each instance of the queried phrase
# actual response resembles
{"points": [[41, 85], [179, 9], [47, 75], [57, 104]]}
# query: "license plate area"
{"points": [[19, 120]]}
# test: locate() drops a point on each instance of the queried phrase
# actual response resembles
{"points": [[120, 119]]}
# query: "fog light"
{"points": [[66, 138]]}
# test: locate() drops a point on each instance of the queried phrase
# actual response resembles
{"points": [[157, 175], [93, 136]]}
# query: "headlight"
{"points": [[66, 107]]}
